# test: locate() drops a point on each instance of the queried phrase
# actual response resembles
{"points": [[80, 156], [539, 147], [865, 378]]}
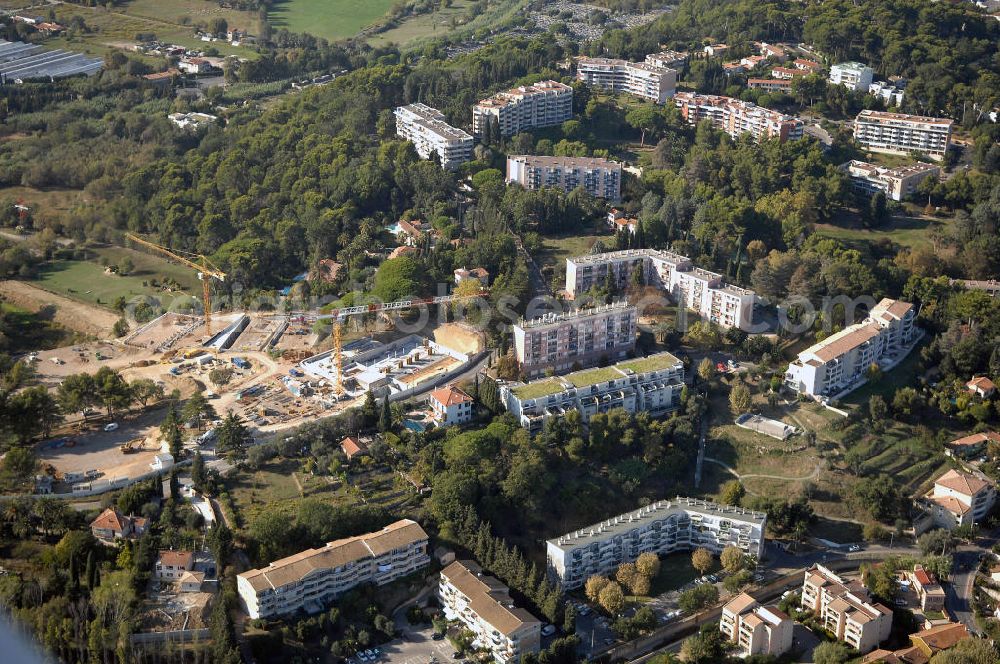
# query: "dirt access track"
{"points": [[71, 314]]}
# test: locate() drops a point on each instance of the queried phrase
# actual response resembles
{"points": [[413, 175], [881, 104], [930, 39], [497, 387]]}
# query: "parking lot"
{"points": [[417, 646]]}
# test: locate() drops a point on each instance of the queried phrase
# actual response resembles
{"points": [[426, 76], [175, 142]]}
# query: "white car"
{"points": [[111, 427], [854, 547]]}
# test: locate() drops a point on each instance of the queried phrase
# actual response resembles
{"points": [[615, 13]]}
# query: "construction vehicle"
{"points": [[131, 446], [338, 316], [201, 264]]}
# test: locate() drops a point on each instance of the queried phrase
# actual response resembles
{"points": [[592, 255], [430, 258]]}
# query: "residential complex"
{"points": [[601, 178], [661, 527], [958, 499], [699, 290], [667, 59], [426, 128], [897, 183], [651, 384], [756, 629], [845, 609], [898, 133], [483, 605], [770, 84], [642, 79], [543, 104], [581, 337], [852, 75], [838, 363], [736, 117], [310, 580], [923, 645]]}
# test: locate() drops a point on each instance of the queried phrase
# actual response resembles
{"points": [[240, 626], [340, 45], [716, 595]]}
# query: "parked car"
{"points": [[111, 426], [548, 630], [900, 602], [584, 611], [854, 547]]}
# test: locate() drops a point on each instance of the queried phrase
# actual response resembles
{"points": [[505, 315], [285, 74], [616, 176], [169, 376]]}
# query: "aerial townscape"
{"points": [[499, 331]]}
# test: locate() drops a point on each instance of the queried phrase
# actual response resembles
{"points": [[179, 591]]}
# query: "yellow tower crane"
{"points": [[206, 271]]}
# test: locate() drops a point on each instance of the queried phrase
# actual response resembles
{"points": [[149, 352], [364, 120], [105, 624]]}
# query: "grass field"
{"points": [[277, 487], [904, 231], [192, 12], [676, 572], [330, 19], [35, 330], [425, 25], [87, 282]]}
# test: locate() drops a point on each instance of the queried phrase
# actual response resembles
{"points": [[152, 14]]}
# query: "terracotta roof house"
{"points": [[971, 445], [326, 270], [403, 250], [934, 640], [112, 525], [982, 386], [960, 498], [352, 447], [450, 405], [172, 565]]}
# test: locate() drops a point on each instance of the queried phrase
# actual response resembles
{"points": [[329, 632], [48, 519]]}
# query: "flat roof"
{"points": [[883, 116], [590, 377], [657, 362], [539, 388], [572, 162]]}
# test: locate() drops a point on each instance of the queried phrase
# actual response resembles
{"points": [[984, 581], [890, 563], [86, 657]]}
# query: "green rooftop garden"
{"points": [[656, 362], [541, 388], [593, 376]]}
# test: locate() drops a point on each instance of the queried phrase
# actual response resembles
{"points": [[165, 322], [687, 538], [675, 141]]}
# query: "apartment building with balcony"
{"points": [[959, 499], [699, 290], [852, 75], [580, 337], [667, 59], [897, 183], [650, 384], [838, 363], [543, 104], [426, 128], [662, 527], [737, 117], [483, 605], [781, 85], [899, 133], [642, 79], [312, 579], [601, 178], [845, 609], [756, 629]]}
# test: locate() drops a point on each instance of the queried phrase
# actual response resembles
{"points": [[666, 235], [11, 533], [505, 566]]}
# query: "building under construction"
{"points": [[392, 368]]}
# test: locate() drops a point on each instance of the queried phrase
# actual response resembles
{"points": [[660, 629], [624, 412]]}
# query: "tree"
{"points": [[594, 586], [170, 433], [20, 463], [196, 408], [968, 651], [271, 531], [369, 409], [612, 598], [111, 389], [698, 598], [232, 437], [120, 328], [701, 560], [936, 542], [398, 278], [705, 647], [385, 416], [739, 399], [625, 573], [733, 559], [732, 493], [198, 471], [831, 652], [31, 412], [648, 564], [145, 390], [77, 392], [878, 410], [706, 369]]}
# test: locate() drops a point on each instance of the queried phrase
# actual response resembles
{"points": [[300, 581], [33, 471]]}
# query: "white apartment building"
{"points": [[310, 580], [699, 290], [896, 183], [756, 629], [890, 94], [845, 609], [737, 117], [483, 605], [642, 79], [650, 384], [581, 337], [426, 128], [838, 363], [852, 75], [662, 527], [667, 59], [450, 405], [770, 84], [543, 104], [601, 178], [959, 499], [898, 133]]}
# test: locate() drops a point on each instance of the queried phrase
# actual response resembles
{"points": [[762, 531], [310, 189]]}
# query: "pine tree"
{"points": [[369, 411], [385, 416], [91, 570], [175, 485], [198, 471]]}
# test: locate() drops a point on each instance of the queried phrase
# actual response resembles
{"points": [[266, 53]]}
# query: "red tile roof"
{"points": [[450, 396], [981, 383], [353, 447], [963, 483]]}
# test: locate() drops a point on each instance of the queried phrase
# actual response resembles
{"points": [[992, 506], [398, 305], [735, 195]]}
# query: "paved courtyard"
{"points": [[417, 646]]}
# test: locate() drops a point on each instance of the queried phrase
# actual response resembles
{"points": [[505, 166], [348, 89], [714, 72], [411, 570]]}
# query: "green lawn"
{"points": [[904, 374], [539, 388], [86, 280], [330, 19], [435, 24], [676, 572], [34, 330], [842, 532], [275, 488], [904, 231]]}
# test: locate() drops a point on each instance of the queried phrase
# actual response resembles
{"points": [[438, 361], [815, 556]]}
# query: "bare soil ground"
{"points": [[74, 315]]}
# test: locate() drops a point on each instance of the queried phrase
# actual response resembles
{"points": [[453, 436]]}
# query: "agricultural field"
{"points": [[192, 13], [115, 29], [86, 280], [329, 19]]}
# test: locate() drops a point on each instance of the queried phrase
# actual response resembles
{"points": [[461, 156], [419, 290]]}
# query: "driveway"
{"points": [[415, 646]]}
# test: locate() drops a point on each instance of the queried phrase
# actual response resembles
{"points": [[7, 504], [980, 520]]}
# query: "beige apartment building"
{"points": [[737, 117], [959, 499], [699, 290], [483, 605], [756, 629], [543, 104], [426, 128], [667, 59], [898, 133], [310, 580], [896, 183], [601, 178], [838, 363], [642, 79], [580, 337], [845, 609]]}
